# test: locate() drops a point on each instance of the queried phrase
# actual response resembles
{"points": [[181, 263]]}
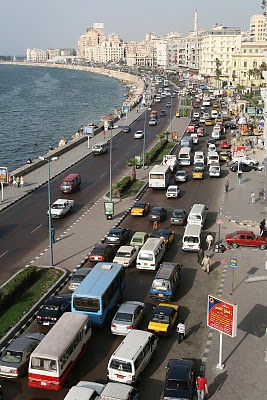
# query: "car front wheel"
{"points": [[235, 245], [263, 246]]}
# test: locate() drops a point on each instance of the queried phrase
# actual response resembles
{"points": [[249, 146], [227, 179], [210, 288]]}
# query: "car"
{"points": [[200, 131], [140, 208], [179, 380], [126, 255], [126, 129], [242, 167], [246, 238], [225, 144], [211, 147], [166, 234], [117, 236], [162, 113], [211, 141], [199, 166], [232, 126], [178, 217], [224, 155], [215, 105], [245, 160], [206, 116], [195, 119], [164, 319], [53, 308], [173, 191], [128, 317], [196, 105], [202, 119], [77, 277], [203, 108], [102, 252], [152, 122], [196, 125], [196, 115], [208, 122], [14, 359], [181, 176], [138, 135], [139, 239], [168, 104], [157, 214]]}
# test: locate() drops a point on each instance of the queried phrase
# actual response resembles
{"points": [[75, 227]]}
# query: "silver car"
{"points": [[14, 360], [128, 317], [77, 278], [181, 176]]}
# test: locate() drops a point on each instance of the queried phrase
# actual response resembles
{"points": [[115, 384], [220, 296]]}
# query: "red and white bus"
{"points": [[53, 359]]}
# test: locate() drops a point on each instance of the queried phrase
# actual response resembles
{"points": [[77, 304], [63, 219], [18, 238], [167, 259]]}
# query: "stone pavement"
{"points": [[244, 356]]}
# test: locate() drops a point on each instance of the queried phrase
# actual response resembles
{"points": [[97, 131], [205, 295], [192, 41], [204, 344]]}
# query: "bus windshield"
{"points": [[86, 304], [156, 176]]}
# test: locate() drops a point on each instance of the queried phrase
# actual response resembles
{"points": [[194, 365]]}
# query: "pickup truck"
{"points": [[60, 207]]}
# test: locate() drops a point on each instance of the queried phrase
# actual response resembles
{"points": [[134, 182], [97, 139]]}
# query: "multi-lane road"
{"points": [[195, 284]]}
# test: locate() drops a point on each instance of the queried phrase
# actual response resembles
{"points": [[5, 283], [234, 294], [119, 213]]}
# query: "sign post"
{"points": [[3, 179], [222, 316], [109, 209], [89, 131], [219, 222], [233, 265]]}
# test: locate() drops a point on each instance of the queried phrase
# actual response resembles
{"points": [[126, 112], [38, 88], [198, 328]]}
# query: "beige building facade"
{"points": [[258, 27]]}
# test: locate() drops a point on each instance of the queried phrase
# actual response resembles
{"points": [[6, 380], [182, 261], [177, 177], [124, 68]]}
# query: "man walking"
{"points": [[226, 186], [253, 197], [209, 240], [202, 387], [200, 255], [53, 232], [206, 264], [262, 227], [181, 331]]}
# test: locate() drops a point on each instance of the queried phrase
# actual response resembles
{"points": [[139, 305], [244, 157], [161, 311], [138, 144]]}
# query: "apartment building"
{"points": [[184, 52], [91, 38], [258, 27], [36, 55], [219, 42], [141, 54], [105, 53]]}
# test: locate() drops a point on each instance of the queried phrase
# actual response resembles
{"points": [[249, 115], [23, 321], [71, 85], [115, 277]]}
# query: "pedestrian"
{"points": [[209, 240], [253, 197], [262, 227], [17, 181], [21, 181], [14, 182], [202, 387], [155, 226], [200, 256], [137, 110], [53, 232], [226, 186], [181, 331], [227, 160], [206, 264]]}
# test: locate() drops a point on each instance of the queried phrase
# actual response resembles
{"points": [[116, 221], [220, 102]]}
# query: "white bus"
{"points": [[54, 357], [159, 177], [184, 157]]}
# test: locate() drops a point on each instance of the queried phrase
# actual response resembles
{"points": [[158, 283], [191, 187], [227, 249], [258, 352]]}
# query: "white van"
{"points": [[214, 114], [184, 157], [212, 156], [100, 148], [214, 169], [216, 133], [198, 157], [197, 215], [192, 238], [151, 253], [132, 356]]}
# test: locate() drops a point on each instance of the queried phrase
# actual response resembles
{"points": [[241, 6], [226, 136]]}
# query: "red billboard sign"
{"points": [[222, 316], [239, 151]]}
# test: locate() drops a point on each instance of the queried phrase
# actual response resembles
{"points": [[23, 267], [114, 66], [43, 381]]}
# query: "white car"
{"points": [[202, 119], [196, 115], [139, 135], [173, 191], [126, 255], [128, 317], [212, 147], [245, 160]]}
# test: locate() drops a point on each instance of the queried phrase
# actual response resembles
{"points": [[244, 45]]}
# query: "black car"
{"points": [[242, 167], [126, 129], [211, 141], [53, 308], [180, 380], [178, 217], [157, 214], [230, 125], [117, 236], [162, 113], [195, 119], [197, 124]]}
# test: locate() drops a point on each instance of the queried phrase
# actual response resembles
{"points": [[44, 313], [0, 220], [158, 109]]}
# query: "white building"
{"points": [[37, 55], [258, 27]]}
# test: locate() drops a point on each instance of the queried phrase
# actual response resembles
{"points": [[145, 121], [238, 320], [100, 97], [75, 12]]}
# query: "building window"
{"points": [[234, 63], [255, 64], [245, 64], [256, 50], [245, 50], [250, 50]]}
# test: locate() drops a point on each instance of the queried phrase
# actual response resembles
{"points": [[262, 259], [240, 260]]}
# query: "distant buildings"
{"points": [[41, 55]]}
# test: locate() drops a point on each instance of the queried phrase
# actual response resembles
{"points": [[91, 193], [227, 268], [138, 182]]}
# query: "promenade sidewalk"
{"points": [[244, 356]]}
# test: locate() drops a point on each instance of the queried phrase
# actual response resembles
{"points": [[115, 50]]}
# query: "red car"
{"points": [[246, 238], [190, 128], [200, 131], [102, 252], [225, 144]]}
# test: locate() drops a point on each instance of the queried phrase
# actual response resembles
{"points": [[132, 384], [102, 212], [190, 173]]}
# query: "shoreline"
{"points": [[134, 83]]}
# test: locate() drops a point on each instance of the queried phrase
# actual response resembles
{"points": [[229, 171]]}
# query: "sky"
{"points": [[59, 23]]}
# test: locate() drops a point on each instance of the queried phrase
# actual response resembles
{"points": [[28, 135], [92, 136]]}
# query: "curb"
{"points": [[243, 223]]}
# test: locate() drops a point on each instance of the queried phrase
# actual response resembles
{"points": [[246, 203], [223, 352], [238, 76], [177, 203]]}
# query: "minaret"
{"points": [[195, 23]]}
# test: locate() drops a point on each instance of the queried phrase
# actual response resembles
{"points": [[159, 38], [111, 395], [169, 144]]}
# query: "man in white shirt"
{"points": [[181, 331]]}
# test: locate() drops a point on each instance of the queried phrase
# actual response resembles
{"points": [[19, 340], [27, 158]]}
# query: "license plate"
{"points": [[160, 295], [45, 323], [43, 383], [145, 263], [120, 376]]}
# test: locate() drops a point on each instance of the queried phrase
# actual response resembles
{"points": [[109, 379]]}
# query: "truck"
{"points": [[61, 207], [170, 160]]}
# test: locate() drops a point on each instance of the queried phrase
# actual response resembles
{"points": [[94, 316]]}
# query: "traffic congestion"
{"points": [[143, 279]]}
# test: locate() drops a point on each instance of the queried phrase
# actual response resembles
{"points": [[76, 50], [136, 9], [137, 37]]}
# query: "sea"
{"points": [[41, 105]]}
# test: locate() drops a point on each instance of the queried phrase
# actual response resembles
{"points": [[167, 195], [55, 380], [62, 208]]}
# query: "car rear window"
{"points": [[120, 365], [124, 317], [11, 356]]}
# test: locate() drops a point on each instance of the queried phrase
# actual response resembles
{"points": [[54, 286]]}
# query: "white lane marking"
{"points": [[127, 153], [2, 255], [102, 175], [36, 228], [85, 189], [116, 163]]}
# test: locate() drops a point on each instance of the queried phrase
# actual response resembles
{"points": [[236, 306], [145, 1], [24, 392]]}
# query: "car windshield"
{"points": [[120, 365], [98, 250], [124, 317], [145, 256], [177, 214], [113, 233], [50, 307], [155, 212], [161, 318], [137, 239], [124, 254], [172, 189], [77, 278], [180, 173], [138, 205], [161, 284], [58, 206], [12, 356]]}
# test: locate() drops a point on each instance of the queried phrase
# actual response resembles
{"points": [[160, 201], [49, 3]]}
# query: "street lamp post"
{"points": [[144, 142], [110, 160], [171, 118], [48, 160]]}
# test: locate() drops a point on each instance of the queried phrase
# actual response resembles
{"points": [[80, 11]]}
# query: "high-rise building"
{"points": [[91, 38], [258, 27]]}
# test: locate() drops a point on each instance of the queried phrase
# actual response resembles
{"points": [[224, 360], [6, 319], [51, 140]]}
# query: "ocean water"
{"points": [[39, 106]]}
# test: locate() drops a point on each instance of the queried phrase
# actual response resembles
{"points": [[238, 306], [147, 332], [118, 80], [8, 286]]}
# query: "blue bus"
{"points": [[100, 292]]}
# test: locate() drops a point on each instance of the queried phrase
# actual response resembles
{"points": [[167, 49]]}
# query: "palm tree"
{"points": [[250, 73], [160, 137], [263, 4], [167, 133], [218, 71], [133, 162]]}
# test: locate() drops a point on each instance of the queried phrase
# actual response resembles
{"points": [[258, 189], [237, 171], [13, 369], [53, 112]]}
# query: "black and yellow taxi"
{"points": [[164, 319], [208, 122], [140, 208], [166, 234], [197, 173]]}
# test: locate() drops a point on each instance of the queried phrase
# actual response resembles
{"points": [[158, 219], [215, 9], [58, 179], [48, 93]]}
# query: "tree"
{"points": [[133, 162], [218, 71], [167, 134], [234, 76], [160, 137], [250, 73], [263, 4]]}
